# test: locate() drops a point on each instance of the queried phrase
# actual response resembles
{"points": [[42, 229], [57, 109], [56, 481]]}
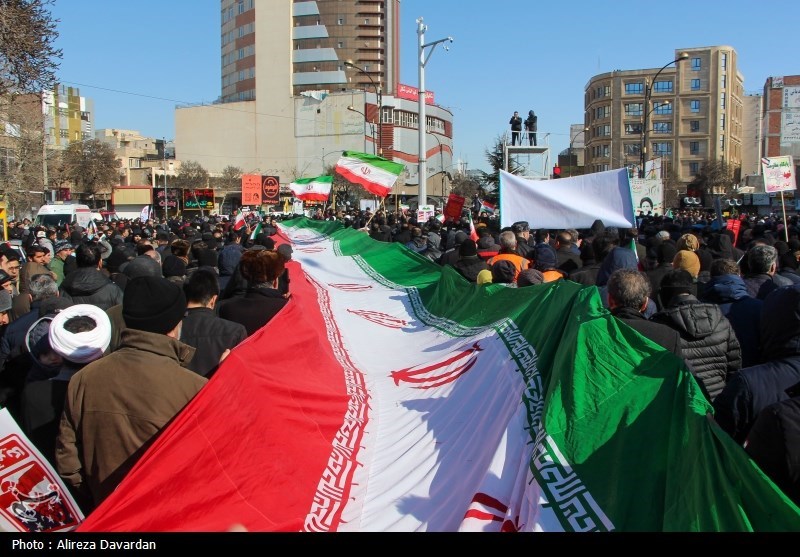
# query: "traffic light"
{"points": [[556, 172]]}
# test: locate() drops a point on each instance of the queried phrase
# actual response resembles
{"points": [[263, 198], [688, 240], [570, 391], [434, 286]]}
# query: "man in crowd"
{"points": [[115, 406]]}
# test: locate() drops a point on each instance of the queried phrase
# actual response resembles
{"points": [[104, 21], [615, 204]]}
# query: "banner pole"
{"points": [[785, 227]]}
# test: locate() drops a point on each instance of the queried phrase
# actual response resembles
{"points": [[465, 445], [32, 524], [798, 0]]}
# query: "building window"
{"points": [[605, 150], [694, 147], [722, 122], [724, 81], [134, 163], [340, 21], [694, 168], [662, 108], [633, 109], [64, 134], [340, 44], [662, 86], [724, 60], [722, 141], [696, 64], [694, 125], [633, 149], [636, 88], [662, 149], [722, 100], [240, 7], [633, 129], [662, 127], [694, 106], [602, 112], [695, 85], [604, 131]]}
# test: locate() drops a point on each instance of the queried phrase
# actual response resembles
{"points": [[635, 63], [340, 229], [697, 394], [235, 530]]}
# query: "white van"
{"points": [[59, 215]]}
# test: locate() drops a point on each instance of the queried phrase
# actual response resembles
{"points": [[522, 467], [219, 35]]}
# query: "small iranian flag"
{"points": [[486, 206], [239, 223], [376, 174], [256, 231], [473, 234], [312, 189]]}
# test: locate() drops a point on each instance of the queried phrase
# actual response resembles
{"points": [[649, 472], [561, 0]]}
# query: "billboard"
{"points": [[778, 174], [198, 200], [172, 195], [251, 190], [410, 93]]}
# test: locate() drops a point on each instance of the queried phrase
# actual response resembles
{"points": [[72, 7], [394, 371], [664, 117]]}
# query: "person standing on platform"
{"points": [[530, 127], [516, 128]]}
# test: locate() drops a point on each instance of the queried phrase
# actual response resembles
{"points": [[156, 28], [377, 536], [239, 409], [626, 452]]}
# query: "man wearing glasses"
{"points": [[10, 264]]}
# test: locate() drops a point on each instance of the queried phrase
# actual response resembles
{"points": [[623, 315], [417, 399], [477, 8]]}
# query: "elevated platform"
{"points": [[535, 159]]}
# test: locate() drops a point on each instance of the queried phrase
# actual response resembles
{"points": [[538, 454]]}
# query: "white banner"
{"points": [[145, 214], [648, 196], [790, 127], [567, 202], [791, 97], [778, 174]]}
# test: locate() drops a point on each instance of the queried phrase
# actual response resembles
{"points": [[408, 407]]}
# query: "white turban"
{"points": [[85, 347]]}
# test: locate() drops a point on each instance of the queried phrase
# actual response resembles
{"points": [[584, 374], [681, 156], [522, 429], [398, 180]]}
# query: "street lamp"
{"points": [[371, 124], [571, 141], [422, 172], [441, 159], [379, 95], [648, 92]]}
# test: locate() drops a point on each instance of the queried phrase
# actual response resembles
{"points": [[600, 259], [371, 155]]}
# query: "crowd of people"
{"points": [[106, 335]]}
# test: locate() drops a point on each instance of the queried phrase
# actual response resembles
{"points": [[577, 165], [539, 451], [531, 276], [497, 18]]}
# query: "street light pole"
{"points": [[584, 130], [379, 94], [422, 198], [648, 92], [166, 198]]}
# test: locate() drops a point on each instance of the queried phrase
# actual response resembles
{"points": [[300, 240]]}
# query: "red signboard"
{"points": [[453, 208], [270, 190], [734, 225], [251, 190], [412, 94]]}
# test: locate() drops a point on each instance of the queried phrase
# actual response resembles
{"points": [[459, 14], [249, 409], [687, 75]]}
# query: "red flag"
{"points": [[239, 223]]}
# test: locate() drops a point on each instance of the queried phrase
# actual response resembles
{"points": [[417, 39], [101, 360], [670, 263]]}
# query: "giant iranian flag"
{"points": [[375, 173], [391, 395]]}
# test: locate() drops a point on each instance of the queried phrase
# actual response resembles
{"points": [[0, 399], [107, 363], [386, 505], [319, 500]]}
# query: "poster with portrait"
{"points": [[648, 196]]}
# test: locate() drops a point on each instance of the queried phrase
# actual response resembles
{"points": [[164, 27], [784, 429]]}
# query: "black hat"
{"points": [[503, 271], [520, 226], [118, 256], [153, 304], [545, 257], [467, 248], [61, 245], [207, 258], [4, 278], [677, 281], [286, 251], [142, 266], [172, 266]]}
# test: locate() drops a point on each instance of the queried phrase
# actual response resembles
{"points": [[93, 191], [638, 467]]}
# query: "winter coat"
{"points": [[254, 309], [586, 275], [618, 258], [210, 336], [655, 276], [743, 311], [708, 343], [660, 334], [469, 267], [759, 286], [88, 285], [228, 261], [774, 444], [754, 388], [568, 260], [116, 405]]}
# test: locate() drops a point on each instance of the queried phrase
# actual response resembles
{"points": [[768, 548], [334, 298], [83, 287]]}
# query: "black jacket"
{"points": [[88, 285], [774, 444], [469, 267], [754, 388], [586, 275], [254, 309], [568, 260], [657, 332], [759, 286], [743, 311], [708, 343], [211, 336]]}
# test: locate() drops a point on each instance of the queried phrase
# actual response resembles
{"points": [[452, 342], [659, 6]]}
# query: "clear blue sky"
{"points": [[138, 60]]}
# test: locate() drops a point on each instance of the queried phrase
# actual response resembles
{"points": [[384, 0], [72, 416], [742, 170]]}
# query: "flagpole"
{"points": [[785, 228]]}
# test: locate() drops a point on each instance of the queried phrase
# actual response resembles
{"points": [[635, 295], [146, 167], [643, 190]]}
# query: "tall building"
{"points": [[781, 117], [752, 134], [695, 114], [303, 80], [324, 35], [68, 116]]}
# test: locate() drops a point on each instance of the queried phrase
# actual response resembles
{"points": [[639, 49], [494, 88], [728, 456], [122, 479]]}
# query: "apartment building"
{"points": [[302, 80], [694, 110]]}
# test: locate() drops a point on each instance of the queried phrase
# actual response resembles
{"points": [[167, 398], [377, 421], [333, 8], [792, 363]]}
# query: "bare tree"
{"points": [[465, 186], [28, 60], [192, 175], [716, 177], [230, 180], [21, 153], [92, 166]]}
